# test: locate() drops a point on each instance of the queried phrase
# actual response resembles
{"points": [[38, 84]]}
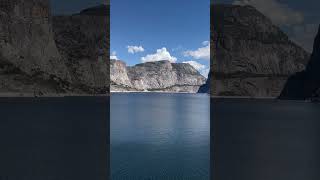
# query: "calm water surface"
{"points": [[160, 136], [265, 139]]}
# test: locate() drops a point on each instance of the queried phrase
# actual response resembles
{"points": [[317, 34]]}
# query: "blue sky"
{"points": [[72, 6], [151, 30], [299, 19]]}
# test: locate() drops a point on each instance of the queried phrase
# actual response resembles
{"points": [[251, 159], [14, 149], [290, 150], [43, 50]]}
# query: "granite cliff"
{"points": [[83, 41], [250, 56], [306, 84], [42, 54], [155, 76]]}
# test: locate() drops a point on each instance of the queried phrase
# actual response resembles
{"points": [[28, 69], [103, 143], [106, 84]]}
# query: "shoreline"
{"points": [[160, 92], [31, 95]]}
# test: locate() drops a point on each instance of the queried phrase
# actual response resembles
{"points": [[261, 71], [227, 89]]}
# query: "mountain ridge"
{"points": [[155, 76]]}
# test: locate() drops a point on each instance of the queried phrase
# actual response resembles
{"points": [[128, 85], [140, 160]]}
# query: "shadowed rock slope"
{"points": [[155, 76], [250, 56], [306, 84]]}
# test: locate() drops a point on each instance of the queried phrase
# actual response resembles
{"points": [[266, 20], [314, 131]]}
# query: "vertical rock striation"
{"points": [[252, 57], [83, 41], [44, 54]]}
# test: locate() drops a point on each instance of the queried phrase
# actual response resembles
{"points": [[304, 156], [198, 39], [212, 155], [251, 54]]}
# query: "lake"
{"points": [[54, 138], [160, 136], [265, 139]]}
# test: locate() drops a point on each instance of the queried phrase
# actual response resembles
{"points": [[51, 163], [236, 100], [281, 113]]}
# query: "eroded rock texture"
{"points": [[250, 55], [44, 54], [155, 76]]}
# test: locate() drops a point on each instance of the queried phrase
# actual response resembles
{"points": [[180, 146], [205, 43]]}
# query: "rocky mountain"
{"points": [[83, 41], [43, 54], [306, 84], [155, 76], [250, 55]]}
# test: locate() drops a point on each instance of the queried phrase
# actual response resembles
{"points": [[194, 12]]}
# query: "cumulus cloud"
{"points": [[135, 49], [114, 55], [199, 67], [200, 53], [280, 14], [161, 54]]}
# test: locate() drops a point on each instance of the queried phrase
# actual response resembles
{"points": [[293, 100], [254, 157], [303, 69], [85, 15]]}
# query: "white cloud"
{"points": [[114, 55], [195, 64], [161, 54], [280, 14], [200, 53], [135, 49], [199, 67], [205, 43]]}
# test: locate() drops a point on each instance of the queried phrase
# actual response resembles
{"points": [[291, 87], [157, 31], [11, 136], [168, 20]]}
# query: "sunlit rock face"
{"points": [[250, 55], [155, 76]]}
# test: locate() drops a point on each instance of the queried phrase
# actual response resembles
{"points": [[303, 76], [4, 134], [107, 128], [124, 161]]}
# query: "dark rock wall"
{"points": [[250, 55]]}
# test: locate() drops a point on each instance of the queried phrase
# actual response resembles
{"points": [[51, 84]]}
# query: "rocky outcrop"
{"points": [[155, 76], [44, 54], [120, 80], [27, 47], [83, 42], [251, 56], [305, 84]]}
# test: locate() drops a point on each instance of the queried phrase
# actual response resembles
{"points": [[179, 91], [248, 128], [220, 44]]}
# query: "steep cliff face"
{"points": [[45, 54], [83, 42], [306, 84], [27, 47], [155, 76], [119, 76], [251, 56]]}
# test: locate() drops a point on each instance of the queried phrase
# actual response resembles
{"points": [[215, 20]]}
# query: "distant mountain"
{"points": [[250, 55], [155, 76], [41, 54], [306, 84]]}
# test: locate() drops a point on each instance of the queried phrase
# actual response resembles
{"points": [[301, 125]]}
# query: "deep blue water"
{"points": [[54, 138], [265, 139], [160, 136]]}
